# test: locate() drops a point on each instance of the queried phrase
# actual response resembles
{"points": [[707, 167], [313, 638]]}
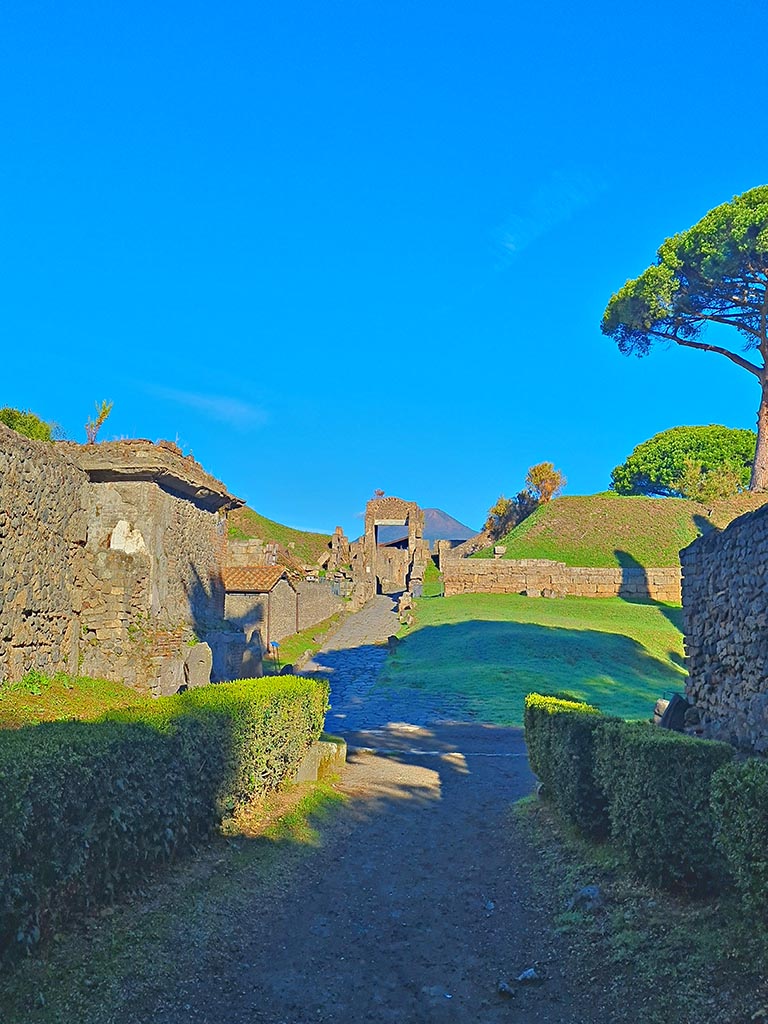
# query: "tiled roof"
{"points": [[251, 579]]}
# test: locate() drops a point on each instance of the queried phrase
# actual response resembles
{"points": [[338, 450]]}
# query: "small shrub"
{"points": [[87, 808], [658, 784], [740, 813], [560, 738]]}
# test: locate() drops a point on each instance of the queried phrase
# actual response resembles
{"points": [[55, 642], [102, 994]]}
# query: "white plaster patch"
{"points": [[126, 539]]}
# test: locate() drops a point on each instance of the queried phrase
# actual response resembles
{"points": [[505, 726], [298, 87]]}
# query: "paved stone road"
{"points": [[352, 661]]}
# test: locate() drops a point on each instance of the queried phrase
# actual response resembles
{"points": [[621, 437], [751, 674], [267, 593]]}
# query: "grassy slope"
{"points": [[494, 649], [39, 699], [609, 530], [244, 523]]}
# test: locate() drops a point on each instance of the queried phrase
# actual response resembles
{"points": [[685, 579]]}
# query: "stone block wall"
{"points": [[538, 577], [725, 614], [316, 602], [108, 576], [42, 539]]}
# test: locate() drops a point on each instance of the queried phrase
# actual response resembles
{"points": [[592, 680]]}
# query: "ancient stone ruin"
{"points": [[113, 560], [725, 614], [391, 568]]}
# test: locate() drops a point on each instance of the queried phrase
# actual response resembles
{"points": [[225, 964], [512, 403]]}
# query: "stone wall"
{"points": [[111, 557], [317, 602], [725, 614], [42, 538], [537, 577]]}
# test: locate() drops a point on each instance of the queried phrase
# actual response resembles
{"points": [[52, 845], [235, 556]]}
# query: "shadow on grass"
{"points": [[636, 590], [481, 671]]}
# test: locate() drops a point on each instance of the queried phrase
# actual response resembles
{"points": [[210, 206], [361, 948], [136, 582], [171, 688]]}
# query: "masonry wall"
{"points": [[725, 614], [42, 537], [112, 579], [555, 579], [316, 602], [152, 584]]}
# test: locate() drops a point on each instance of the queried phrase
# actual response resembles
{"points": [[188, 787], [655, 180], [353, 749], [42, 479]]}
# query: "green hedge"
{"points": [[658, 788], [560, 738], [87, 808], [740, 813]]}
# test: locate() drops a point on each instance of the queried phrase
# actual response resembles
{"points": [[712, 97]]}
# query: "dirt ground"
{"points": [[417, 904]]}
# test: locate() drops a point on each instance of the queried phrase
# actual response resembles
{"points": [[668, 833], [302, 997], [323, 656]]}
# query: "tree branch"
{"points": [[739, 360]]}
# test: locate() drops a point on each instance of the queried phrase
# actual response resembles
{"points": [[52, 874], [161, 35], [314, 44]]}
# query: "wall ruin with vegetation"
{"points": [[725, 615]]}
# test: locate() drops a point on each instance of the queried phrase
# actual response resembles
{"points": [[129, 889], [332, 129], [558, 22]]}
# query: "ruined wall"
{"points": [[269, 616], [152, 583], [316, 602], [725, 614], [42, 533], [116, 578], [537, 577]]}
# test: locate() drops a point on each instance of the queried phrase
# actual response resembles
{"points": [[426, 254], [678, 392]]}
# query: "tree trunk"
{"points": [[759, 480]]}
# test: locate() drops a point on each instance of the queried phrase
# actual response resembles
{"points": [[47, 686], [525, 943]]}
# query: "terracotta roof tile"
{"points": [[251, 579]]}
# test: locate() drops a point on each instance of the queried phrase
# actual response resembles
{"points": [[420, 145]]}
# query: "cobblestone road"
{"points": [[352, 661]]}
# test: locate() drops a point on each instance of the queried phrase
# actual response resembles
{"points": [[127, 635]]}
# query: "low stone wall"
{"points": [[537, 578], [317, 602], [725, 615]]}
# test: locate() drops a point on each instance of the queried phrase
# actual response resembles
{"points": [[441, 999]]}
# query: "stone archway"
{"points": [[390, 569]]}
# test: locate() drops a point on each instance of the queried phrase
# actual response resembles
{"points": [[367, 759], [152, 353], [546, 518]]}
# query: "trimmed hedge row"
{"points": [[560, 735], [87, 808], [647, 787], [740, 812]]}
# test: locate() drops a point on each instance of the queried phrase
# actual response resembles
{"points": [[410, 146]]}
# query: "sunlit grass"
{"points": [[493, 649]]}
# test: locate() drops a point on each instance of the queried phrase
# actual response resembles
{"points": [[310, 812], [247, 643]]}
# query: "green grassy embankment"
{"points": [[294, 646], [493, 649], [603, 530], [38, 698], [245, 524]]}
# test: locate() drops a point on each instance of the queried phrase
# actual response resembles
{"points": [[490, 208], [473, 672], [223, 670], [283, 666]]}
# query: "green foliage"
{"points": [[93, 426], [715, 272], [87, 809], [694, 462], [657, 784], [740, 813], [26, 423], [608, 530], [560, 736]]}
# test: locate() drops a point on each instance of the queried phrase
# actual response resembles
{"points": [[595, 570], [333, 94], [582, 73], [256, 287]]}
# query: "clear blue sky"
{"points": [[332, 247]]}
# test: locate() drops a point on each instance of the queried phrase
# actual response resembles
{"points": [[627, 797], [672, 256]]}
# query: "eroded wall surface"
{"points": [[725, 615], [42, 538]]}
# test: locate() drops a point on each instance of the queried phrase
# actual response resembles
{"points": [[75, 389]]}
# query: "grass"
{"points": [[38, 698], [646, 956], [433, 580], [114, 965], [604, 530], [494, 649], [294, 646], [245, 524]]}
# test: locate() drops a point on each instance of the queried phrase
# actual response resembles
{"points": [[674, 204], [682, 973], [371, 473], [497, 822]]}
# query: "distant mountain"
{"points": [[438, 525]]}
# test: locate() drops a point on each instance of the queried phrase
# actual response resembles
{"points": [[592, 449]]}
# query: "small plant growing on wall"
{"points": [[93, 426]]}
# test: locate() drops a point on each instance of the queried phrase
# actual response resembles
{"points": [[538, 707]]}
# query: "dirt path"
{"points": [[418, 902], [415, 907]]}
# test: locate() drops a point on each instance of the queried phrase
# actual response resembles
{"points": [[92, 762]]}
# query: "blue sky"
{"points": [[332, 247]]}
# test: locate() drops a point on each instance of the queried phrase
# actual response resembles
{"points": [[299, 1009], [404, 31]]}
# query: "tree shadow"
{"points": [[635, 589], [481, 671]]}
